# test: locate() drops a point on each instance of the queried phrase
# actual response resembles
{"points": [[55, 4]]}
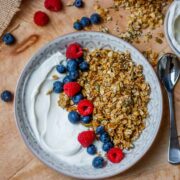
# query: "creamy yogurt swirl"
{"points": [[174, 25], [50, 122]]}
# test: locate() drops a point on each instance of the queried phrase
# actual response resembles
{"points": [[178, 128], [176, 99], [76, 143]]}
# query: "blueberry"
{"points": [[95, 18], [77, 98], [72, 65], [80, 60], [58, 87], [78, 3], [100, 130], [67, 79], [6, 96], [104, 137], [98, 162], [85, 21], [107, 146], [73, 117], [61, 68], [91, 149], [84, 66], [73, 75], [86, 119], [8, 39], [77, 25]]}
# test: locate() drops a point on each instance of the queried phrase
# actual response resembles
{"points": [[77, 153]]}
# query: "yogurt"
{"points": [[50, 122], [173, 26]]}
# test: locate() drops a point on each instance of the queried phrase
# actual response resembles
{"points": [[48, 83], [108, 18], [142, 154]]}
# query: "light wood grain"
{"points": [[16, 161]]}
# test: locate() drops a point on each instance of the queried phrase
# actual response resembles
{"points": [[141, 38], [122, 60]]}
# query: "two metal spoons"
{"points": [[169, 71]]}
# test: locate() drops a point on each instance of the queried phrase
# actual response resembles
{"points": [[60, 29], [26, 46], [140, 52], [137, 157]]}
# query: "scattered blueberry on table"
{"points": [[6, 96], [98, 162], [77, 98], [78, 26], [61, 68], [73, 117], [85, 21], [8, 39], [78, 3], [91, 149], [58, 87], [95, 18]]}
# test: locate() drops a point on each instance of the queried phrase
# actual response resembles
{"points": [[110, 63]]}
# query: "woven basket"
{"points": [[8, 8]]}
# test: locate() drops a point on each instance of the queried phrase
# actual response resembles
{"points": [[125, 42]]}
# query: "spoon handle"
{"points": [[174, 148]]}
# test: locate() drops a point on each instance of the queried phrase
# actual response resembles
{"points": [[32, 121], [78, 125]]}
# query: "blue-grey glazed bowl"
{"points": [[90, 40]]}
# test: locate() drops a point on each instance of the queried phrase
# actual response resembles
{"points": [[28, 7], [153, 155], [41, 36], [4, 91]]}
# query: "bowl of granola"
{"points": [[88, 105]]}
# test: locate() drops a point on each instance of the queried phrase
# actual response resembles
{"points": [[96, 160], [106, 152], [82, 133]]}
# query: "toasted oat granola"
{"points": [[143, 14], [119, 92]]}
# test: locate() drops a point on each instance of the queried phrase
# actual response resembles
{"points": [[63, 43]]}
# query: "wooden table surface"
{"points": [[16, 161]]}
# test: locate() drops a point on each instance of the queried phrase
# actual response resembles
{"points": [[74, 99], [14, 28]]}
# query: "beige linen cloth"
{"points": [[8, 8]]}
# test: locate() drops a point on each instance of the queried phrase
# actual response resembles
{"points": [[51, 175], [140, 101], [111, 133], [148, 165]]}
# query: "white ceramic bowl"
{"points": [[166, 24], [90, 40]]}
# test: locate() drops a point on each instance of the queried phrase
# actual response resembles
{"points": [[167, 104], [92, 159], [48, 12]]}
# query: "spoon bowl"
{"points": [[169, 70]]}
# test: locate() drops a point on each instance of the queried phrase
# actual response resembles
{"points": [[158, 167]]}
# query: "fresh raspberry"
{"points": [[85, 107], [74, 51], [86, 138], [71, 88], [115, 155], [41, 18], [53, 5]]}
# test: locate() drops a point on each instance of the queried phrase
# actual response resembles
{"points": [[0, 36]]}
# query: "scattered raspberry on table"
{"points": [[53, 5], [41, 18]]}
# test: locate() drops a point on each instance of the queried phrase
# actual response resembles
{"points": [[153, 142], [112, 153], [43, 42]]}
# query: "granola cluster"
{"points": [[144, 14], [119, 92]]}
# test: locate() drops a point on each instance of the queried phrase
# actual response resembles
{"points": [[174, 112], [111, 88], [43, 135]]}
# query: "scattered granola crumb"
{"points": [[143, 14], [49, 92], [152, 57], [70, 3], [158, 40], [148, 36], [161, 35], [104, 29]]}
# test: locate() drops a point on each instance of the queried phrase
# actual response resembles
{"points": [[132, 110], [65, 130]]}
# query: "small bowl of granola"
{"points": [[88, 105]]}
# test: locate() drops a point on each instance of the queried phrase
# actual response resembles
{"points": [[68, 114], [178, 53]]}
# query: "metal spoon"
{"points": [[169, 71]]}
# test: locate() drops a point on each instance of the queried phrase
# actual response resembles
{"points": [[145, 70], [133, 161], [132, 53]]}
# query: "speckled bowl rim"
{"points": [[176, 51], [43, 160]]}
